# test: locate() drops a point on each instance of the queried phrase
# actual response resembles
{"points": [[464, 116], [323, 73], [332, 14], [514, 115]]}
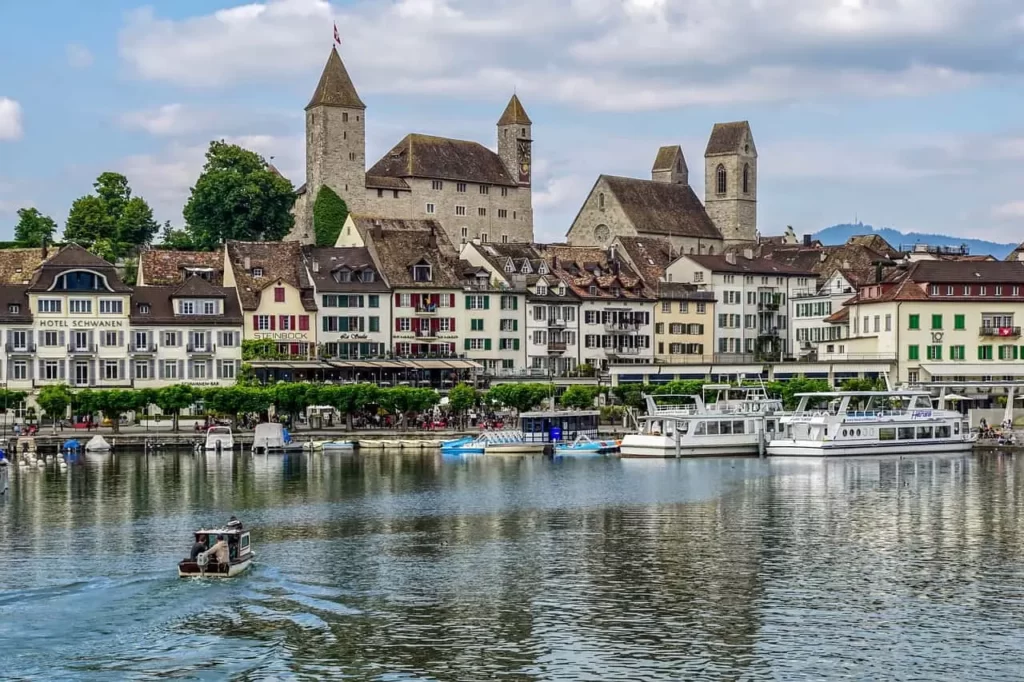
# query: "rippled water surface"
{"points": [[399, 567]]}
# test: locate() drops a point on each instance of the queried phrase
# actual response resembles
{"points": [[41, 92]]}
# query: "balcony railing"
{"points": [[556, 322], [557, 346], [429, 309], [623, 351], [201, 348], [426, 334], [142, 348], [627, 327], [999, 331], [21, 348], [83, 348], [768, 307]]}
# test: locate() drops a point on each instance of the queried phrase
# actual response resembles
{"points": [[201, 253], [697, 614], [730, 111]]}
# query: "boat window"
{"points": [[924, 432], [726, 428], [699, 430], [886, 434], [712, 428], [245, 541], [858, 432], [956, 428], [942, 431], [906, 433], [845, 433], [737, 427]]}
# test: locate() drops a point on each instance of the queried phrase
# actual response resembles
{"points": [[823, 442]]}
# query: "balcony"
{"points": [[427, 310], [556, 323], [622, 327], [557, 347], [21, 347], [625, 351], [999, 331], [202, 349], [426, 334], [142, 348], [83, 348], [767, 307]]}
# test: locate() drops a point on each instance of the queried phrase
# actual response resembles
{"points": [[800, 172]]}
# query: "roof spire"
{"points": [[514, 114], [335, 88]]}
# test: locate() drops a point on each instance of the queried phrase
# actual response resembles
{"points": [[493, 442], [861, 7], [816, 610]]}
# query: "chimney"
{"points": [[846, 265], [247, 263], [730, 258], [748, 254], [822, 257], [45, 249], [377, 231], [878, 272], [807, 240]]}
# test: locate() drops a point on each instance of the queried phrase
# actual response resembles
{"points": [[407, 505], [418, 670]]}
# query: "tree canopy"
{"points": [[520, 397], [238, 196], [54, 401], [33, 228], [579, 397], [329, 214], [110, 222]]}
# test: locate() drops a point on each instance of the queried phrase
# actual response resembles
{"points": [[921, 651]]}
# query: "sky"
{"points": [[899, 113]]}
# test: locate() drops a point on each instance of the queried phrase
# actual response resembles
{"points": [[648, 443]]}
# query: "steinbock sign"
{"points": [[83, 324], [283, 336]]}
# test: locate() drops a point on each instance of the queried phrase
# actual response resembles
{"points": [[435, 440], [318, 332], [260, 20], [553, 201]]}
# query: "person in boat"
{"points": [[198, 548], [234, 523], [219, 551]]}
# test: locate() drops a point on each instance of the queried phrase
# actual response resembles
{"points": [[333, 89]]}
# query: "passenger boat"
{"points": [[584, 446], [851, 423], [273, 437], [722, 421], [239, 552], [219, 438]]}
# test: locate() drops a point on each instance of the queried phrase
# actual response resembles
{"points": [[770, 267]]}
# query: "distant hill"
{"points": [[839, 234]]}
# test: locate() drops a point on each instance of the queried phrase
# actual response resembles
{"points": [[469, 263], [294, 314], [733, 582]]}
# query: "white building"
{"points": [[814, 308], [754, 301], [494, 317], [552, 327]]}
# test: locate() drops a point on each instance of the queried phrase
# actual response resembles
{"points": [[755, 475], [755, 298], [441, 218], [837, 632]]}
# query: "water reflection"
{"points": [[397, 566]]}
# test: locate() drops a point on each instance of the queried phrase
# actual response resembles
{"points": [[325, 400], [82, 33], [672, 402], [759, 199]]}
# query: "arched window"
{"points": [[600, 201], [746, 178], [721, 179], [691, 250], [711, 251]]}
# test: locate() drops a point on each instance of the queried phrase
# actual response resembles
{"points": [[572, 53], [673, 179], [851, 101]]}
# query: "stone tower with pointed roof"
{"points": [[730, 181], [336, 139]]}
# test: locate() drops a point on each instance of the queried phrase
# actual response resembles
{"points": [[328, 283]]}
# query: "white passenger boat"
{"points": [[219, 438], [857, 423], [722, 421]]}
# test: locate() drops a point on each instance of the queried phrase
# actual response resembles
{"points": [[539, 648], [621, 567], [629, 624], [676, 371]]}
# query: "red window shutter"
{"points": [[279, 295], [292, 325], [415, 300], [398, 300], [451, 324], [451, 300], [256, 322], [271, 322], [416, 324], [304, 323], [398, 325]]}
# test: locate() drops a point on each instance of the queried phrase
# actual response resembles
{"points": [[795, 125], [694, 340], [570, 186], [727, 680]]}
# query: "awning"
{"points": [[1002, 369]]}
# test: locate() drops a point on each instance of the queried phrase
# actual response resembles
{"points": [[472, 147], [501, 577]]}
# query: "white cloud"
{"points": [[79, 56], [10, 119], [167, 120], [1011, 210]]}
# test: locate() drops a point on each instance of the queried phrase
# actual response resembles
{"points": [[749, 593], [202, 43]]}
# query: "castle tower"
{"points": [[730, 181], [670, 166], [336, 138], [515, 148]]}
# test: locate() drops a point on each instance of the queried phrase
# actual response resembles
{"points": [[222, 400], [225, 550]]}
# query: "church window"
{"points": [[746, 178], [357, 118], [460, 210], [430, 209], [502, 212], [600, 201], [721, 179], [437, 184], [679, 165], [460, 187], [711, 251], [485, 189], [513, 215], [691, 250], [344, 134], [522, 131], [504, 239], [481, 211], [344, 117]]}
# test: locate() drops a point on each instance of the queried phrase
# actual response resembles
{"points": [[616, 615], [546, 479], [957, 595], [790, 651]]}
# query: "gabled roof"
{"points": [[400, 244], [72, 257], [726, 138], [335, 88], [197, 287], [756, 266], [649, 255], [324, 261], [163, 266], [967, 272], [514, 113], [442, 158], [583, 267], [280, 261], [161, 307], [666, 158], [662, 208]]}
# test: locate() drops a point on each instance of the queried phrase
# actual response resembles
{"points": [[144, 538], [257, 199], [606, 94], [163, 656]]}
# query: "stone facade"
{"points": [[730, 182], [336, 155]]}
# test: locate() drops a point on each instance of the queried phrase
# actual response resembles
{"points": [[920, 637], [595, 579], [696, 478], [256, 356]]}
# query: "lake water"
{"points": [[399, 567]]}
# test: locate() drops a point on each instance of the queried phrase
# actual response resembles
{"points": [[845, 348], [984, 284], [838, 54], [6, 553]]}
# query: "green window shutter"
{"points": [[467, 344], [467, 303], [981, 352], [915, 322], [938, 352], [515, 328], [912, 353], [487, 344], [487, 302], [1015, 353], [936, 321], [515, 303], [374, 324], [515, 344], [958, 322]]}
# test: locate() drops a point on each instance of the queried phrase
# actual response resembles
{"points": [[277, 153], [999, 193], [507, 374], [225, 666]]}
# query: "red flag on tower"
{"points": [[337, 36]]}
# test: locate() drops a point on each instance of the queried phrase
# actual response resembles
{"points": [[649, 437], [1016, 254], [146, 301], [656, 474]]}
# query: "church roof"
{"points": [[514, 114], [335, 88], [666, 158], [726, 137], [661, 208], [442, 158]]}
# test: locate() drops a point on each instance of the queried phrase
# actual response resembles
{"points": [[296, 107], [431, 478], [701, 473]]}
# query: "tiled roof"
{"points": [[15, 295], [677, 291], [18, 265], [497, 255], [325, 261], [967, 272], [401, 244], [163, 266], [839, 317], [161, 307], [383, 182], [666, 158], [280, 261], [71, 257], [726, 138], [662, 208], [756, 266], [649, 255], [442, 158], [197, 287], [583, 267], [514, 113], [335, 88]]}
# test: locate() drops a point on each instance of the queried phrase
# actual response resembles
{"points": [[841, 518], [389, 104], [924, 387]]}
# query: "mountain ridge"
{"points": [[840, 234]]}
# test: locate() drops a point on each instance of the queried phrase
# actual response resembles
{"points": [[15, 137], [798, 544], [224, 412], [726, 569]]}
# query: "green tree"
{"points": [[238, 196], [329, 214], [33, 228], [519, 397], [349, 399], [460, 399], [579, 397], [260, 349], [53, 400], [173, 399], [291, 398], [680, 387], [404, 401], [111, 214], [87, 221], [114, 403], [630, 395]]}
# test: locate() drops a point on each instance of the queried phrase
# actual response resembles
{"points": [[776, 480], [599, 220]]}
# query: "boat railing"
{"points": [[855, 414]]}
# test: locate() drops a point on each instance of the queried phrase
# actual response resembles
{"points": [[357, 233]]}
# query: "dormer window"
{"points": [[561, 290], [186, 308], [422, 272], [593, 290], [13, 308], [368, 276], [526, 267], [144, 309], [542, 289], [542, 268], [616, 292], [510, 266], [343, 275], [257, 273]]}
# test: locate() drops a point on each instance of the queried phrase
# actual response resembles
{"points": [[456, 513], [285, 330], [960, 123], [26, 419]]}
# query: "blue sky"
{"points": [[903, 113]]}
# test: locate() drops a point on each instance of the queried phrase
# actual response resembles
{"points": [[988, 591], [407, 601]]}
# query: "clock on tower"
{"points": [[523, 158]]}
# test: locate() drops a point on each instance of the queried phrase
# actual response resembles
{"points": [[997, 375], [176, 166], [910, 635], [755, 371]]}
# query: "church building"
{"points": [[471, 191], [667, 207]]}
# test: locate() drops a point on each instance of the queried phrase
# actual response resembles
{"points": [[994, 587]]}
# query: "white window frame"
{"points": [[80, 306]]}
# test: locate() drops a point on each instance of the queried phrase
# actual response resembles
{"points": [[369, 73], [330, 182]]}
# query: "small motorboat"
{"points": [[337, 446], [467, 445], [240, 554], [273, 437], [97, 444], [219, 438], [584, 446]]}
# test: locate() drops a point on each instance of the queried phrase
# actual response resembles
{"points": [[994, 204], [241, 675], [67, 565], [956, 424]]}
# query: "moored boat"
{"points": [[97, 444], [205, 565], [584, 446], [273, 437], [338, 446], [219, 438]]}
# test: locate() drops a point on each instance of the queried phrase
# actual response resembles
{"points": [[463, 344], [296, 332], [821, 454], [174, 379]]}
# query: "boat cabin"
{"points": [[237, 539], [558, 426]]}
